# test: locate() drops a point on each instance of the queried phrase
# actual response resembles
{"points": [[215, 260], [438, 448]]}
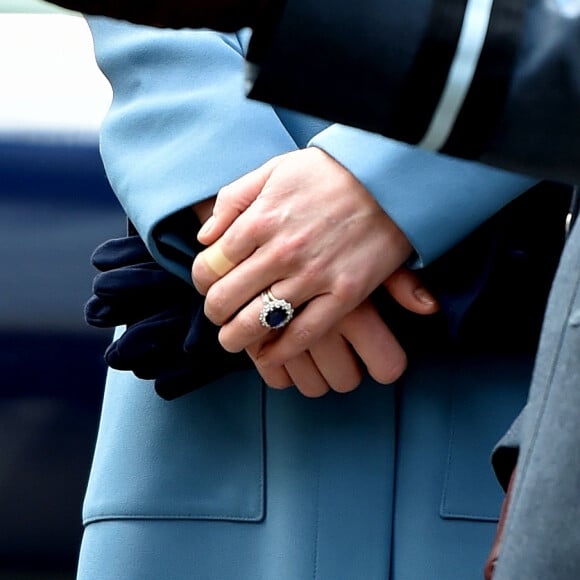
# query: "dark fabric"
{"points": [[418, 99], [493, 287], [168, 339], [228, 16], [356, 58], [484, 102]]}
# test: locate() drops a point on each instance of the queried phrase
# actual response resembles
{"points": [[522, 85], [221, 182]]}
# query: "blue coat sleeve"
{"points": [[179, 127], [435, 200]]}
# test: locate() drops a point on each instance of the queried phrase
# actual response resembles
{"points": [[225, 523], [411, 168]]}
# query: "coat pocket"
{"points": [[453, 409], [198, 457], [482, 409]]}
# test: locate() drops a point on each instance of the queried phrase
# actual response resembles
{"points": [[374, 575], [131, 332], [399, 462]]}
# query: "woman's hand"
{"points": [[334, 362], [304, 227]]}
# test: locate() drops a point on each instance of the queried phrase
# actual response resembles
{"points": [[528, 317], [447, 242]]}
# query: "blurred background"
{"points": [[55, 207]]}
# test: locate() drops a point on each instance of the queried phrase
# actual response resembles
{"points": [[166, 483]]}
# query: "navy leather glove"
{"points": [[168, 339]]}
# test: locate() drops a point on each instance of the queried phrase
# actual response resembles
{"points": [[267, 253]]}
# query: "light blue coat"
{"points": [[240, 482]]}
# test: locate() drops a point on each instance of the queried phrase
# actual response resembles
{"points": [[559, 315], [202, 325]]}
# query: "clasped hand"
{"points": [[303, 226]]}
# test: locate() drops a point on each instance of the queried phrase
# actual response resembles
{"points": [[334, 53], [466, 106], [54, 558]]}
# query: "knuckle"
{"points": [[226, 342], [240, 332], [291, 251], [199, 276], [224, 195], [215, 305], [299, 241], [285, 252], [310, 277], [226, 346], [266, 217], [229, 197], [264, 364], [300, 336], [258, 227], [346, 289]]}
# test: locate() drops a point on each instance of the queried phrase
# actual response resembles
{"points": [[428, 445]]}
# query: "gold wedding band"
{"points": [[216, 260]]}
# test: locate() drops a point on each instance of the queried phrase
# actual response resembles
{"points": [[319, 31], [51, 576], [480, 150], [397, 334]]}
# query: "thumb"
{"points": [[407, 289]]}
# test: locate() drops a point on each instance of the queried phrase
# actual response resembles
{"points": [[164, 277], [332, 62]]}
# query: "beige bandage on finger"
{"points": [[216, 260]]}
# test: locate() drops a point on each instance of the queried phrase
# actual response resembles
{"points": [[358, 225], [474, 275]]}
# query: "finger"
{"points": [[337, 363], [306, 376], [239, 242], [378, 348], [232, 200], [316, 319], [407, 289], [243, 287], [248, 326], [215, 259], [275, 377], [119, 253], [210, 266]]}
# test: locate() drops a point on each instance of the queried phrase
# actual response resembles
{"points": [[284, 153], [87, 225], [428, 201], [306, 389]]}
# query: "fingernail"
{"points": [[206, 227], [424, 297]]}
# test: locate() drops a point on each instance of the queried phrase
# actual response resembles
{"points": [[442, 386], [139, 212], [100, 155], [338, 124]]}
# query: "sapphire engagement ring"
{"points": [[275, 313]]}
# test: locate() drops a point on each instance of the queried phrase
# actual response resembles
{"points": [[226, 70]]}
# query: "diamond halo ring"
{"points": [[275, 312]]}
